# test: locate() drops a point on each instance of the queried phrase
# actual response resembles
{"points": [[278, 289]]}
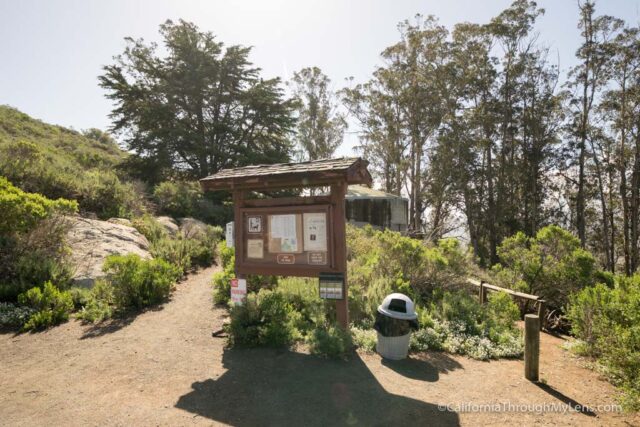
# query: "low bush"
{"points": [[176, 252], [194, 248], [364, 339], [32, 249], [606, 321], [381, 262], [14, 316], [99, 303], [102, 193], [177, 198], [150, 228], [331, 341], [51, 306], [138, 283], [455, 322], [551, 264], [80, 297], [266, 319]]}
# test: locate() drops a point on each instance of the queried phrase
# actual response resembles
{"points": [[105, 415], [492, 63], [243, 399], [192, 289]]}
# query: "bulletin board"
{"points": [[286, 240]]}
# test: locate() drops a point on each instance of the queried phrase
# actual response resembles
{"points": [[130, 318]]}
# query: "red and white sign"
{"points": [[238, 291]]}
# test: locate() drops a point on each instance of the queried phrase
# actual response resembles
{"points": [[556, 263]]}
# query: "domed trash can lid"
{"points": [[398, 306]]}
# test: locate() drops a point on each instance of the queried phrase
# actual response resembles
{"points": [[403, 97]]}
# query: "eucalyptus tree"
{"points": [[320, 126], [620, 108], [586, 81]]}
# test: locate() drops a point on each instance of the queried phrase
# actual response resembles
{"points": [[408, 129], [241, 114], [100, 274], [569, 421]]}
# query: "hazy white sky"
{"points": [[51, 51]]}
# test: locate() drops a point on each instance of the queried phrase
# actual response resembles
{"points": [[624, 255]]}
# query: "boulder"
{"points": [[91, 241], [121, 221], [169, 224]]}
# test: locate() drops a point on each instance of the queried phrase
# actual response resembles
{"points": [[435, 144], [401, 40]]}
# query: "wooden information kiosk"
{"points": [[293, 236]]}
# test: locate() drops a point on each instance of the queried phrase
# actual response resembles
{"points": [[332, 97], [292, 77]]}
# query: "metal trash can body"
{"points": [[395, 320]]}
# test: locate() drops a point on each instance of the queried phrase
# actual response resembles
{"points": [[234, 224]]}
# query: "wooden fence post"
{"points": [[541, 312], [483, 293], [531, 347]]}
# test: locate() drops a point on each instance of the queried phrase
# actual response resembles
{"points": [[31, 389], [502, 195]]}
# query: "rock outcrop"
{"points": [[169, 224], [91, 241]]}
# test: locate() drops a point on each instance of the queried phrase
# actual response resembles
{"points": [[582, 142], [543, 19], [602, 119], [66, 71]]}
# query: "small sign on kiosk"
{"points": [[332, 286]]}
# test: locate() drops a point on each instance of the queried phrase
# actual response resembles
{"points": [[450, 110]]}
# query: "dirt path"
{"points": [[164, 368]]}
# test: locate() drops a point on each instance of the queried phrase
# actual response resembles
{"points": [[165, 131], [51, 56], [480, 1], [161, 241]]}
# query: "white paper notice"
{"points": [[315, 231], [283, 226], [255, 248]]}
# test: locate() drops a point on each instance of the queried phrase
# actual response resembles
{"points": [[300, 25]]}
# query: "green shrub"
{"points": [[103, 193], [195, 248], [80, 297], [332, 341], [455, 322], [177, 199], [150, 228], [32, 230], [206, 239], [176, 252], [139, 283], [22, 211], [364, 339], [606, 321], [99, 304], [266, 319], [551, 265], [12, 315], [381, 262], [52, 306]]}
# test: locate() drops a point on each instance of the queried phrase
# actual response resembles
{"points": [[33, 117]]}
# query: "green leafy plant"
{"points": [[138, 283], [266, 319], [51, 306], [330, 341], [606, 321], [99, 303], [551, 265], [177, 198], [12, 315], [364, 339]]}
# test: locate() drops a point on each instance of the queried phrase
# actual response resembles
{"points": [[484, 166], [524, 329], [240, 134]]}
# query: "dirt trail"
{"points": [[162, 367]]}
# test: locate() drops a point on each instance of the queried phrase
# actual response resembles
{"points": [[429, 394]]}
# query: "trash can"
{"points": [[395, 319]]}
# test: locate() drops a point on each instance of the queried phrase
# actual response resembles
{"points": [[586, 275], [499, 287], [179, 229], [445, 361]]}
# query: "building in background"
{"points": [[381, 210]]}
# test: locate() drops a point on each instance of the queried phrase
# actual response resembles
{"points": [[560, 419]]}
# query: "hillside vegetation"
{"points": [[59, 162]]}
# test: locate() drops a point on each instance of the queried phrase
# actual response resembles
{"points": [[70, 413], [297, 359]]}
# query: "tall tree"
{"points": [[402, 107], [621, 111], [320, 126], [200, 108], [587, 81]]}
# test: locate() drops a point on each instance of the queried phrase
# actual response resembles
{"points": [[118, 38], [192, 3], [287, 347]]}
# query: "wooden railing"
{"points": [[484, 287]]}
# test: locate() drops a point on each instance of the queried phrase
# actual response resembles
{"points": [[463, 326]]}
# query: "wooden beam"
{"points": [[287, 201], [500, 289]]}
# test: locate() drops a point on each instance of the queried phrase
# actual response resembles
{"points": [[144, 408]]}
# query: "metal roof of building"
{"points": [[362, 192]]}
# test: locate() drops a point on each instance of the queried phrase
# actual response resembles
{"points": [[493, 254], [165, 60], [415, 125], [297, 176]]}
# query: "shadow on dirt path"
{"points": [[267, 387]]}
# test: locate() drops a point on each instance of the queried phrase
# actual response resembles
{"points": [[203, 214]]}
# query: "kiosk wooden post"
{"points": [[338, 192], [293, 236]]}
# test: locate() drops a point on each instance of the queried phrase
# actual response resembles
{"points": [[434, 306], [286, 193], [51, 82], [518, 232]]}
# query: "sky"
{"points": [[52, 51]]}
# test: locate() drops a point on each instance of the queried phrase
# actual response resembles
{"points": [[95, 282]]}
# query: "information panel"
{"points": [[292, 237]]}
